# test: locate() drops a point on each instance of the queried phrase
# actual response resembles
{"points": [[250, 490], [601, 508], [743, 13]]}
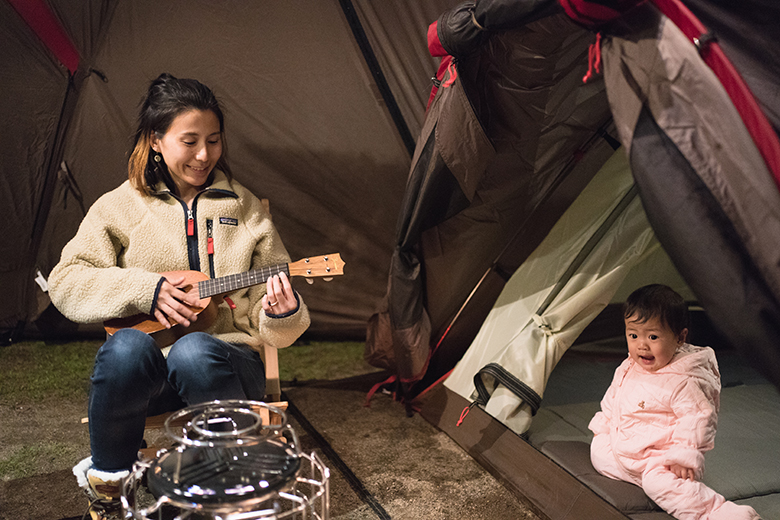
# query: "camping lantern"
{"points": [[230, 460]]}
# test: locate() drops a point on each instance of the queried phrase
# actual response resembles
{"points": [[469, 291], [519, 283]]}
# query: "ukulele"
{"points": [[324, 267]]}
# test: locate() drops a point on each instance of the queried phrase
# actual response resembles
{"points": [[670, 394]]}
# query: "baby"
{"points": [[660, 413]]}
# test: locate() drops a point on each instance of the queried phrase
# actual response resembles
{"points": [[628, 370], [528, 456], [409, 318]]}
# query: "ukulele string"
{"points": [[233, 282]]}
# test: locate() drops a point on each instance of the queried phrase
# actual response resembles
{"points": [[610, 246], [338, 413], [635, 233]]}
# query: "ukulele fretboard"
{"points": [[234, 282]]}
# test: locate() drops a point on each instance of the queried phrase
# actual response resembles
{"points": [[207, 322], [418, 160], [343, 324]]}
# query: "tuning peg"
{"points": [[309, 281], [328, 279]]}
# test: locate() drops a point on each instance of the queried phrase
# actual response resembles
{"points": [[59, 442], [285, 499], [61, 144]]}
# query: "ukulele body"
{"points": [[206, 312]]}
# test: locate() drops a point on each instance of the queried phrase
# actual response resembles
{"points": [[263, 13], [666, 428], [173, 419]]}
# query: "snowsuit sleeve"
{"points": [[695, 427], [600, 424]]}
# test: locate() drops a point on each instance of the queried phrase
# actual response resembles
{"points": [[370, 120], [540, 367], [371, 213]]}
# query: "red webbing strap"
{"points": [[376, 387], [756, 122], [41, 20], [594, 59], [436, 49], [464, 413]]}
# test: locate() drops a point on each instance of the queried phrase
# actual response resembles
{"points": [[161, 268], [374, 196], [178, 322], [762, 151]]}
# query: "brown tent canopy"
{"points": [[322, 102]]}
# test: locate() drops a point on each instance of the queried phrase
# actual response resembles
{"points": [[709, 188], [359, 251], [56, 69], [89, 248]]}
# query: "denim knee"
{"points": [[193, 351], [199, 368], [129, 356]]}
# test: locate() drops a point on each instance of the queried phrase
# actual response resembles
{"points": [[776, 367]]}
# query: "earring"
{"points": [[157, 157]]}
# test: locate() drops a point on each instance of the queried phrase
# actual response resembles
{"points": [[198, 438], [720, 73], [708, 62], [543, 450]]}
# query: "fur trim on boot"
{"points": [[103, 489]]}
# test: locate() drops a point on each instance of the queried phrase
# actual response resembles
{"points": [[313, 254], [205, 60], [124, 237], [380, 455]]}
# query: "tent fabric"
{"points": [[596, 13], [307, 128], [34, 91], [707, 250], [746, 31], [729, 195], [559, 289], [743, 100], [435, 195], [533, 142], [41, 20], [396, 32]]}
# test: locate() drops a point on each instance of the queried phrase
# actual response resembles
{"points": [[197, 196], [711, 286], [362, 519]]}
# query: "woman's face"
{"points": [[191, 148]]}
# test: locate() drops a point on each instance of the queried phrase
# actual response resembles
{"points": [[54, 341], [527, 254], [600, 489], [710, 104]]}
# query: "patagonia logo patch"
{"points": [[229, 221]]}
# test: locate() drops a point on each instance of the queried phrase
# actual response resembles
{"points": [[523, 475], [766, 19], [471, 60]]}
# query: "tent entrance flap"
{"points": [[555, 294]]}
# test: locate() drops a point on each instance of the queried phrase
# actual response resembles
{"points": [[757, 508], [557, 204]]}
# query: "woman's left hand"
{"points": [[279, 297]]}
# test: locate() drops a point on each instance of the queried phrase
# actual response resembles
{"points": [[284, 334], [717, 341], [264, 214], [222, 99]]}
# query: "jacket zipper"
{"points": [[191, 227], [192, 238], [210, 245]]}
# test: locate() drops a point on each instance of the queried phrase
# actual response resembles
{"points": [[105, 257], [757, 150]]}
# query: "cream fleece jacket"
{"points": [[110, 268], [671, 413]]}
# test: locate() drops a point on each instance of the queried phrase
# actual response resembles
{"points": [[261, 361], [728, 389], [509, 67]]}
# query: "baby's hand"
{"points": [[682, 472]]}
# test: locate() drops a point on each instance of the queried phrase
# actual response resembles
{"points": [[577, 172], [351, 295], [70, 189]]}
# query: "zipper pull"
{"points": [[190, 223], [464, 413], [209, 234]]}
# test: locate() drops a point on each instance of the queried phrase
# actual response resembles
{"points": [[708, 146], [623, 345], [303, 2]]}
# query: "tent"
{"points": [[564, 161], [513, 134], [322, 102]]}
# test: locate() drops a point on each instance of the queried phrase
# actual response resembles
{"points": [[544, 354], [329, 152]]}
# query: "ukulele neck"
{"points": [[234, 282]]}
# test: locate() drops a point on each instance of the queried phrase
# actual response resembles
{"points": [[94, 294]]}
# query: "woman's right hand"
{"points": [[171, 302]]}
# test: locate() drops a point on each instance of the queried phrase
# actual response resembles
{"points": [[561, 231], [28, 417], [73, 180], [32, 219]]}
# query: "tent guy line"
{"points": [[355, 483]]}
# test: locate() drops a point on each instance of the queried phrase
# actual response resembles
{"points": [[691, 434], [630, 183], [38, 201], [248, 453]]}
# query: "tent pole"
{"points": [[378, 75], [588, 247]]}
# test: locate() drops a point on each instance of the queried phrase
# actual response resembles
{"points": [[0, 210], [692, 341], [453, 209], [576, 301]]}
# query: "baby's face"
{"points": [[652, 344]]}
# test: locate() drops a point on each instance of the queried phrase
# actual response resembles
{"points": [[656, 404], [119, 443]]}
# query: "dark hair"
{"points": [[657, 301], [167, 98]]}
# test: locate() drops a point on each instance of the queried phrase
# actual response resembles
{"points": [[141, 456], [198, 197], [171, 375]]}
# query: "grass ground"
{"points": [[35, 372], [383, 463]]}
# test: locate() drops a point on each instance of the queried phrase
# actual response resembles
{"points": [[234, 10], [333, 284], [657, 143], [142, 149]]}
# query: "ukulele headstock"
{"points": [[324, 266]]}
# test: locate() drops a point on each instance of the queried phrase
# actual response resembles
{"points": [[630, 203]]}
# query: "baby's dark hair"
{"points": [[657, 301]]}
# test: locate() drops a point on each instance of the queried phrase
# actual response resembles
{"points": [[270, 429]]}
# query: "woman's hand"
{"points": [[171, 302], [279, 297]]}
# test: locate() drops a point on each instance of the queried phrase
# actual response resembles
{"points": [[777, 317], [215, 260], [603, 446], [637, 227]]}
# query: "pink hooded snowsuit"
{"points": [[650, 420]]}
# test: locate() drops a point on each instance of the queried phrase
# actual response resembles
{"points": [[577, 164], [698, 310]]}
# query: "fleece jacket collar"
{"points": [[220, 185]]}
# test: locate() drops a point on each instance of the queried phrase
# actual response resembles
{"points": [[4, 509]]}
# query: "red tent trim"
{"points": [[756, 122], [38, 16]]}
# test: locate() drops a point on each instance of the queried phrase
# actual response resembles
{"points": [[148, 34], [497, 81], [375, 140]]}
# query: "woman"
{"points": [[180, 209]]}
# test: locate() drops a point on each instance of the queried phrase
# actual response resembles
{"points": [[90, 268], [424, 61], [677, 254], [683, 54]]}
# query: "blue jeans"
{"points": [[133, 380]]}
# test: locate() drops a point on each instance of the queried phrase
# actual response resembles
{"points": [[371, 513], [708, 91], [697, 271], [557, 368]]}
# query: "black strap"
{"points": [[513, 384], [327, 450]]}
